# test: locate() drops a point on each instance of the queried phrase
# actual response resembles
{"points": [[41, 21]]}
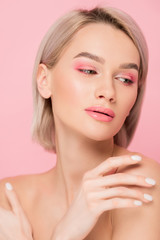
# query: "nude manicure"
{"points": [[136, 158], [137, 203], [9, 186], [148, 197], [150, 181]]}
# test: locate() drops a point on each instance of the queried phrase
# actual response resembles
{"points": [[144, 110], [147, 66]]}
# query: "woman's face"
{"points": [[98, 68]]}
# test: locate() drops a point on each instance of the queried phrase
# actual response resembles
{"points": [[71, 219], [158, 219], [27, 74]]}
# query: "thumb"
{"points": [[13, 200]]}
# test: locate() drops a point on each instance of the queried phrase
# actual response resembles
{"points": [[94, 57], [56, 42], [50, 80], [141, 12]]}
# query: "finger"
{"points": [[119, 192], [123, 178], [117, 203], [113, 163], [13, 200]]}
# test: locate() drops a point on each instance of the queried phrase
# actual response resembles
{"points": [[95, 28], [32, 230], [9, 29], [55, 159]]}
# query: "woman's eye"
{"points": [[88, 71], [125, 80]]}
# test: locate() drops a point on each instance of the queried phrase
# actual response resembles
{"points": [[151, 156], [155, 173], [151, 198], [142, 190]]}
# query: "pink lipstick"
{"points": [[100, 113]]}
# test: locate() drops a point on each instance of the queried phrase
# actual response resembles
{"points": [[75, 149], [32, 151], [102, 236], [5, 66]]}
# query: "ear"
{"points": [[43, 81]]}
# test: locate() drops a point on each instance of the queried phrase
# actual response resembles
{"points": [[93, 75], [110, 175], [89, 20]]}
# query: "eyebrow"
{"points": [[129, 66], [101, 60], [91, 56]]}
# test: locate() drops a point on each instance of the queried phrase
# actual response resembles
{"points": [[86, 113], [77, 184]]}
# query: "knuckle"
{"points": [[132, 191], [138, 179], [138, 194], [121, 176], [111, 162], [135, 193], [121, 190]]}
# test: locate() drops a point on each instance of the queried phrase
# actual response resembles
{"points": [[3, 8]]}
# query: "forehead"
{"points": [[103, 40]]}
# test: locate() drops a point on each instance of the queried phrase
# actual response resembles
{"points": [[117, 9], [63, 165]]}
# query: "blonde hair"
{"points": [[56, 40]]}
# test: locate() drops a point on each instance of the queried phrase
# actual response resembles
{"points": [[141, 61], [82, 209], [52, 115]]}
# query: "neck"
{"points": [[75, 156]]}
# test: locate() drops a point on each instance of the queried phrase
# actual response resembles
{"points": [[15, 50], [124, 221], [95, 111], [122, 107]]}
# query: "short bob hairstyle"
{"points": [[56, 40]]}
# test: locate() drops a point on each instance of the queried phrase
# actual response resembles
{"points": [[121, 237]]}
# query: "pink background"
{"points": [[22, 26]]}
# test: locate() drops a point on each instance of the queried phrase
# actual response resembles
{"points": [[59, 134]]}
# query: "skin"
{"points": [[86, 152], [73, 91]]}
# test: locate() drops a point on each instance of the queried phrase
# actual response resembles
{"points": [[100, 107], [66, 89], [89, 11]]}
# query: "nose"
{"points": [[106, 90]]}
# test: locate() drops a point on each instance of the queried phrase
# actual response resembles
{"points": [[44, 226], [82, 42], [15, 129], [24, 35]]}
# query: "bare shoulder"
{"points": [[147, 167], [148, 214], [23, 186], [27, 187]]}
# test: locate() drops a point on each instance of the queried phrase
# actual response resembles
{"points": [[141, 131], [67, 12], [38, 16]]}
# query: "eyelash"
{"points": [[88, 71], [126, 81]]}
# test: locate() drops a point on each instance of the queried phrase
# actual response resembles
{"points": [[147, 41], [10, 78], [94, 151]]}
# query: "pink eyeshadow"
{"points": [[130, 75], [80, 65]]}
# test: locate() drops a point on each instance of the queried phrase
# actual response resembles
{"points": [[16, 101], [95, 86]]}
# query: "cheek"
{"points": [[128, 101], [132, 101], [67, 93], [123, 108]]}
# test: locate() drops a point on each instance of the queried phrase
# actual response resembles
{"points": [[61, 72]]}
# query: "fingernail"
{"points": [[148, 197], [137, 203], [150, 181], [9, 186], [136, 158]]}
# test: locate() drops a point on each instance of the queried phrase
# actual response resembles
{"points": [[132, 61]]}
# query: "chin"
{"points": [[98, 136]]}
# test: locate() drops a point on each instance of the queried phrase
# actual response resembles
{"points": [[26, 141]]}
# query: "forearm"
{"points": [[61, 233], [60, 237], [65, 231]]}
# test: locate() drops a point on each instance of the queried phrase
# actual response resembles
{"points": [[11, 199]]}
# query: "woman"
{"points": [[88, 84]]}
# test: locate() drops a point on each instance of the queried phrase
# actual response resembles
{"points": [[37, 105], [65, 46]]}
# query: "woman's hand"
{"points": [[100, 192], [14, 224]]}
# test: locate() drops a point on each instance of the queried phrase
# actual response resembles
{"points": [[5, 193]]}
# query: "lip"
{"points": [[100, 109], [100, 113]]}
